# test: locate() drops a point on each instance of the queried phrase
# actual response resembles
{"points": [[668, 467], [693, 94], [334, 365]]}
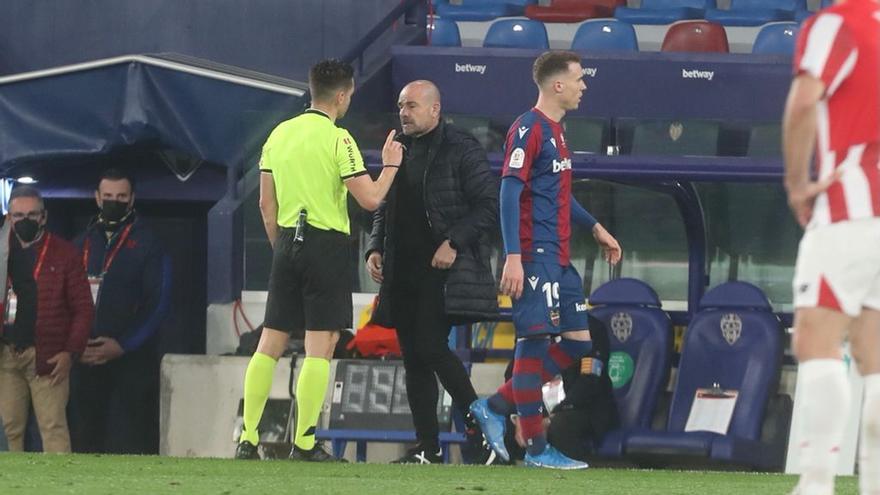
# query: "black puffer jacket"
{"points": [[461, 198]]}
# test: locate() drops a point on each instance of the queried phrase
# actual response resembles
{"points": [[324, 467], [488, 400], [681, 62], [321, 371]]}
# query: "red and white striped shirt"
{"points": [[841, 47]]}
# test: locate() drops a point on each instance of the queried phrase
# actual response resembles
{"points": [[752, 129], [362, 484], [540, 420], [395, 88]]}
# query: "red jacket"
{"points": [[65, 311]]}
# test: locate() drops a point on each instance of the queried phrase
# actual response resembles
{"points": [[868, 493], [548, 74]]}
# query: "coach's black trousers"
{"points": [[423, 330]]}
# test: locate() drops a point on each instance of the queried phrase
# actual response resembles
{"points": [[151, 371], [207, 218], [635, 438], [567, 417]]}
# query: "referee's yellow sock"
{"points": [[257, 382], [311, 387]]}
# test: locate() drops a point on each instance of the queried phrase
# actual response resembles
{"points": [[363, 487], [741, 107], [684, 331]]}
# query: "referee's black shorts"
{"points": [[310, 282]]}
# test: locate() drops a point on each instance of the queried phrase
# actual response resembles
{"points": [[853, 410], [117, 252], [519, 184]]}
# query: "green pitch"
{"points": [[126, 475]]}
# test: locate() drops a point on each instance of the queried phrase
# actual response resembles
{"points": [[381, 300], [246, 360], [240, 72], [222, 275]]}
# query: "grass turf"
{"points": [[127, 475]]}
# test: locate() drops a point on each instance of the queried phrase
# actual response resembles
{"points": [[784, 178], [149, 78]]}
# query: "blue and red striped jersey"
{"points": [[535, 153]]}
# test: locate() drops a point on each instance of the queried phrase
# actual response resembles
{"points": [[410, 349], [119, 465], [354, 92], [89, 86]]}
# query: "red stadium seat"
{"points": [[695, 36], [573, 10]]}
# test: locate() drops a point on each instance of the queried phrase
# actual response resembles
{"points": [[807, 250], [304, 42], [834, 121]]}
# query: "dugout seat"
{"points": [[776, 38], [664, 11], [482, 10], [517, 33], [585, 134], [735, 340], [605, 35], [573, 10], [666, 137], [640, 338], [756, 12], [695, 36], [443, 32]]}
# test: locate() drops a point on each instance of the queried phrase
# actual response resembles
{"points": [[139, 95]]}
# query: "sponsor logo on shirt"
{"points": [[697, 74], [522, 131], [517, 158], [479, 69], [560, 165]]}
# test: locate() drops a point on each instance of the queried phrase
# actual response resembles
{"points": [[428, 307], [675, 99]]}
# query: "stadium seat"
{"points": [[756, 12], [586, 135], [672, 137], [735, 341], [640, 337], [776, 38], [482, 10], [605, 35], [443, 32], [695, 36], [573, 10], [517, 33], [664, 11], [802, 15], [765, 140], [481, 127]]}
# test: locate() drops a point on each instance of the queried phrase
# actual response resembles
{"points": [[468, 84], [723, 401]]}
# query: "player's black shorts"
{"points": [[310, 282]]}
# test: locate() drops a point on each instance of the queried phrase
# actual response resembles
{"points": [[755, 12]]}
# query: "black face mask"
{"points": [[26, 229], [113, 211]]}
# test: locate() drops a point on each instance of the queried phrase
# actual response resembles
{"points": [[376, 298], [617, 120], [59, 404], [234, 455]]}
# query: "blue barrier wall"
{"points": [[280, 37], [498, 82]]}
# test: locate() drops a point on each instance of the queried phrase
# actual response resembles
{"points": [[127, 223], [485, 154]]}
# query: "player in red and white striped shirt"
{"points": [[833, 111]]}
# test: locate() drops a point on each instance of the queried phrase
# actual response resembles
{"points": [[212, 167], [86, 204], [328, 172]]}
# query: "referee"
{"points": [[307, 167]]}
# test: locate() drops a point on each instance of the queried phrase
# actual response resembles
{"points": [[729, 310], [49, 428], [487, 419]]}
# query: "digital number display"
{"points": [[372, 395]]}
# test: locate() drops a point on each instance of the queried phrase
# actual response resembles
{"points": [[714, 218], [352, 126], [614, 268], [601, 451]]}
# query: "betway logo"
{"points": [[559, 166], [697, 74], [591, 71], [480, 69]]}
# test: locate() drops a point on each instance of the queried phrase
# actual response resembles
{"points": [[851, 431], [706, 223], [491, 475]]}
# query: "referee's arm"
{"points": [[269, 206], [370, 194]]}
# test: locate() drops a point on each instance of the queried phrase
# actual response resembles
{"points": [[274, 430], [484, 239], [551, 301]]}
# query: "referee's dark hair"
{"points": [[328, 77], [114, 174]]}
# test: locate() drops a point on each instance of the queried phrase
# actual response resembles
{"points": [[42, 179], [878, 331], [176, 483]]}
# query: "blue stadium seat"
{"points": [[483, 10], [664, 11], [776, 38], [517, 33], [605, 35], [443, 32], [735, 340], [802, 15], [756, 12], [640, 353]]}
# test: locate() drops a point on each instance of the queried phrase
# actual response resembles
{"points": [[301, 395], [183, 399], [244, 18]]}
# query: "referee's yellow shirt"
{"points": [[309, 158]]}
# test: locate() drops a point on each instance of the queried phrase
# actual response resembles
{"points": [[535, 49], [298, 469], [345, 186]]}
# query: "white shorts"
{"points": [[838, 267]]}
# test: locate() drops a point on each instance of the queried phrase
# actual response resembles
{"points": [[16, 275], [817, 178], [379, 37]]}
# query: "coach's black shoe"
{"points": [[420, 455], [247, 451], [317, 454]]}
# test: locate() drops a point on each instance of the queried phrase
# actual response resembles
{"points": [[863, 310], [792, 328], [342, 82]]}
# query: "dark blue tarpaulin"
{"points": [[215, 114]]}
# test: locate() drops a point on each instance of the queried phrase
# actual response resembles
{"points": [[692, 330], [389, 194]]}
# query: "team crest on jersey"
{"points": [[675, 131], [731, 327], [622, 326], [554, 317], [522, 131], [517, 158], [533, 281]]}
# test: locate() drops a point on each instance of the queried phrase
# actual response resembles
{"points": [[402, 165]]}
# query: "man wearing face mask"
{"points": [[430, 250], [114, 406], [49, 286]]}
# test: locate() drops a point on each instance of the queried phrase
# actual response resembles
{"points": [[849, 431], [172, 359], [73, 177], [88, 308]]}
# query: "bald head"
{"points": [[419, 105]]}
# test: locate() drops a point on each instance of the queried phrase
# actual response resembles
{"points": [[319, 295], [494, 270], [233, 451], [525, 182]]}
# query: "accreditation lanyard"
{"points": [[96, 280], [11, 307]]}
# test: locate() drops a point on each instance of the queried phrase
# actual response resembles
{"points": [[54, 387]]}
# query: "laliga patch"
{"points": [[517, 158]]}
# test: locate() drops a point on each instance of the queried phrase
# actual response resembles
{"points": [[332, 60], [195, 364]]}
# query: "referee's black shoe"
{"points": [[247, 451], [421, 455], [316, 454]]}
